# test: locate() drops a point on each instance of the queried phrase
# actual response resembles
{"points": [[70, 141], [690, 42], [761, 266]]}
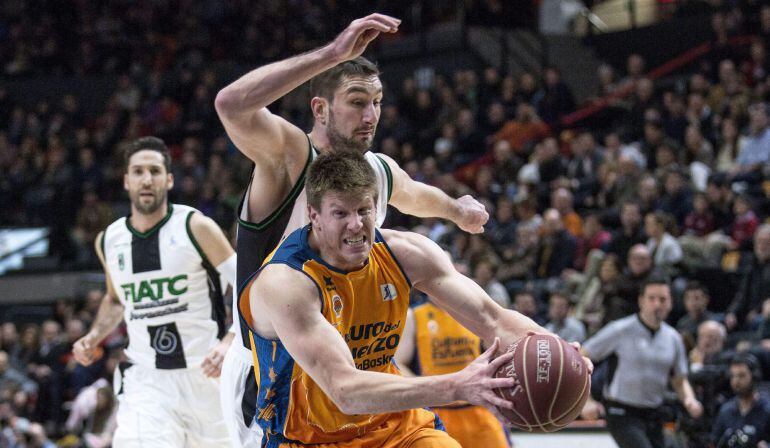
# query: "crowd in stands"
{"points": [[678, 184]]}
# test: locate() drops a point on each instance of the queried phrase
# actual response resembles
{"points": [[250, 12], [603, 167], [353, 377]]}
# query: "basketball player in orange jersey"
{"points": [[434, 343], [326, 314], [346, 94]]}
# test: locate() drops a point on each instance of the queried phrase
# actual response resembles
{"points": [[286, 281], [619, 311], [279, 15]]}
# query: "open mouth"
{"points": [[355, 242]]}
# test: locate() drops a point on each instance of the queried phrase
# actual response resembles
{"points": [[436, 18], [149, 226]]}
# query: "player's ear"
{"points": [[320, 108], [125, 181], [312, 213], [169, 181]]}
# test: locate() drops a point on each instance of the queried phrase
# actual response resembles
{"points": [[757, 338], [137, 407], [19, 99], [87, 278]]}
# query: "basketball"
{"points": [[553, 383]]}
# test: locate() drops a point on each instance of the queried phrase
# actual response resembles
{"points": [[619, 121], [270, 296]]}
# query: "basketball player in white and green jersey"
{"points": [[163, 265]]}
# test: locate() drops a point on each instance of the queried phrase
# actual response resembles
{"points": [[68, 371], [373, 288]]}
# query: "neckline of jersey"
{"points": [[154, 228]]}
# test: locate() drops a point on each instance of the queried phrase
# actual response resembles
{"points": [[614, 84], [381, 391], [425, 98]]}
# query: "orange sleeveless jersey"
{"points": [[368, 307], [444, 346]]}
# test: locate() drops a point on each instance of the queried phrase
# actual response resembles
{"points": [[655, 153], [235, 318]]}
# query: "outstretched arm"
{"points": [[426, 201], [242, 105], [291, 302], [108, 316]]}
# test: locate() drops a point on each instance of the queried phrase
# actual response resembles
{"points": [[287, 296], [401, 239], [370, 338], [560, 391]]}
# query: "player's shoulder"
{"points": [[284, 278], [195, 220], [405, 242]]}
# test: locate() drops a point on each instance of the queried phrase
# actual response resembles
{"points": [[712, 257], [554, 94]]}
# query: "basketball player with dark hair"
{"points": [[346, 96], [326, 314], [163, 264]]}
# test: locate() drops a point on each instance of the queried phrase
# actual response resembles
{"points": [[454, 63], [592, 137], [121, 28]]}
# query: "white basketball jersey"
{"points": [[299, 218], [172, 295]]}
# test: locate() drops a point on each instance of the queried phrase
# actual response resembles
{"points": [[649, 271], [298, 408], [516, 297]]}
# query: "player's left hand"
{"points": [[212, 364], [472, 214]]}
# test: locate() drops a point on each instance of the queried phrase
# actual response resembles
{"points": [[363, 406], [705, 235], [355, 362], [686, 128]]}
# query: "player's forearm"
{"points": [[512, 326], [228, 337], [375, 393], [262, 86], [426, 201], [107, 318]]}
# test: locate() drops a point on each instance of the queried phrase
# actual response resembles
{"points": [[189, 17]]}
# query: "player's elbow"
{"points": [[343, 398], [226, 103], [344, 394]]}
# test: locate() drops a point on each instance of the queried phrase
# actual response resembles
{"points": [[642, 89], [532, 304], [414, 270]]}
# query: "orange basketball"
{"points": [[552, 386]]}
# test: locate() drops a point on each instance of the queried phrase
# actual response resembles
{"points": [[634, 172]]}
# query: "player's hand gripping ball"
{"points": [[553, 383]]}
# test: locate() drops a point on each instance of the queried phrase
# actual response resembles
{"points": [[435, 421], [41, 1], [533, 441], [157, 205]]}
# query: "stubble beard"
{"points": [[339, 142], [152, 207]]}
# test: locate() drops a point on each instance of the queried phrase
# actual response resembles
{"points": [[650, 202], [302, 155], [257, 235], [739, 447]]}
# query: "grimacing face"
{"points": [[147, 181], [354, 113], [344, 228]]}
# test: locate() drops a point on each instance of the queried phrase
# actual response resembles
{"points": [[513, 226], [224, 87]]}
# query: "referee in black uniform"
{"points": [[645, 353]]}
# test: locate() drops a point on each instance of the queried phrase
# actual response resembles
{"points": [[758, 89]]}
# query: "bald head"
{"points": [[552, 221], [639, 259], [711, 337]]}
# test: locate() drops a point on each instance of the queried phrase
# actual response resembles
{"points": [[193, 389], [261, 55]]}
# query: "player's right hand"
{"points": [[477, 382], [352, 41], [85, 351]]}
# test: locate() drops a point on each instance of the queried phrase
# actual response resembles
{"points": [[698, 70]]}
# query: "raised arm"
{"points": [[291, 303], [431, 272], [242, 105], [426, 201], [108, 316]]}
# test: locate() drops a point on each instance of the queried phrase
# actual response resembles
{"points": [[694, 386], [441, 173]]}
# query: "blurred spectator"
{"points": [[557, 99], [676, 199], [12, 380], [484, 274], [639, 269], [665, 249], [743, 421], [594, 237], [729, 146], [755, 147], [525, 303], [93, 413], [562, 201], [598, 295], [523, 131], [700, 221], [709, 346], [744, 224], [560, 322], [556, 250], [755, 283], [630, 233], [696, 301], [581, 173]]}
